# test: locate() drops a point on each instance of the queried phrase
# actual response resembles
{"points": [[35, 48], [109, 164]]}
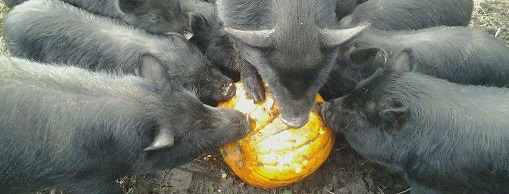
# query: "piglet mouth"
{"points": [[295, 122], [326, 112]]}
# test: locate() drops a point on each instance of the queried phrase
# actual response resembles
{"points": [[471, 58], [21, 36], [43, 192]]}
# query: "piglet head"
{"points": [[156, 16], [183, 126], [214, 86], [295, 63], [191, 69]]}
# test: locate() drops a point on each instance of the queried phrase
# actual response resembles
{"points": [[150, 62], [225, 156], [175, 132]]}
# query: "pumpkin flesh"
{"points": [[273, 154]]}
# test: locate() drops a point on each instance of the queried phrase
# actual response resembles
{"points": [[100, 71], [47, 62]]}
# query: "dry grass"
{"points": [[492, 16], [3, 11]]}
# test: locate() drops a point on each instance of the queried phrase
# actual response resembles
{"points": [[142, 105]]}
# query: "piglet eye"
{"points": [[198, 124], [351, 106], [201, 123], [348, 103]]}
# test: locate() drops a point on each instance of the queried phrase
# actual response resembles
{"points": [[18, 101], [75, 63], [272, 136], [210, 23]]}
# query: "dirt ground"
{"points": [[344, 171]]}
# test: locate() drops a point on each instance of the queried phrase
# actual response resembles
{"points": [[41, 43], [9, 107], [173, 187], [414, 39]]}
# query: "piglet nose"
{"points": [[246, 125], [228, 91], [187, 34]]}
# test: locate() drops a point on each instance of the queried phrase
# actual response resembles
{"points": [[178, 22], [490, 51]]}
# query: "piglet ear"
{"points": [[402, 61], [336, 37], [366, 55], [127, 6], [391, 112], [369, 59], [255, 38], [152, 68], [164, 138], [346, 21], [197, 22]]}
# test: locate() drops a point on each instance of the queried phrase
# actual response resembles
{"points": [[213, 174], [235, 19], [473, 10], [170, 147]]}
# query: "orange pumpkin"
{"points": [[273, 154]]}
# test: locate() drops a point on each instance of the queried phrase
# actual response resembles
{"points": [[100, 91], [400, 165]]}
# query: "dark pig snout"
{"points": [[231, 124], [228, 91]]}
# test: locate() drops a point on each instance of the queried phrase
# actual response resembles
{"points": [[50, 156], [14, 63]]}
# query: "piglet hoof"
{"points": [[252, 81], [250, 78], [254, 87]]}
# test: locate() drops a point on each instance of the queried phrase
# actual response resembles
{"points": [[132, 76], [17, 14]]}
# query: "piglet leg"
{"points": [[251, 79]]}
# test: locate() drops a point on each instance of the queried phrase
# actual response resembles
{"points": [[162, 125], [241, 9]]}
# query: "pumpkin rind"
{"points": [[273, 154]]}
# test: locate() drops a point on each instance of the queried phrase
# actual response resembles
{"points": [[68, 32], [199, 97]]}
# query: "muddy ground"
{"points": [[344, 172]]}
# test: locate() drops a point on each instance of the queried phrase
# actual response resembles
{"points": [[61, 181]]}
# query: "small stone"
{"points": [[369, 180], [179, 179]]}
